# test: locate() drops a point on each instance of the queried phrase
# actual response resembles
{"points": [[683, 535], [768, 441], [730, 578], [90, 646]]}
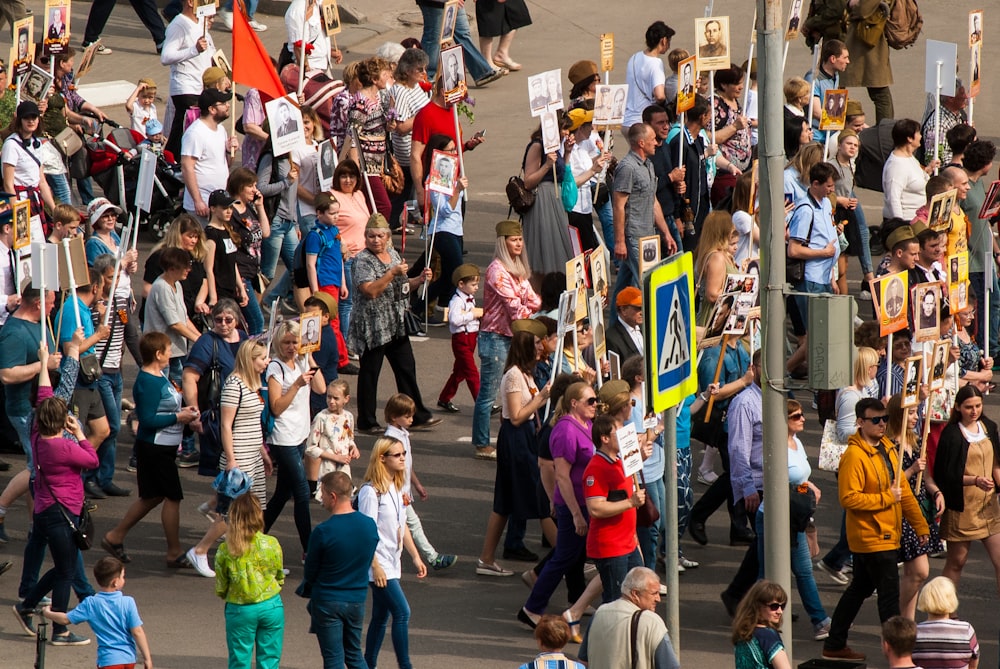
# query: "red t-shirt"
{"points": [[434, 120], [615, 536]]}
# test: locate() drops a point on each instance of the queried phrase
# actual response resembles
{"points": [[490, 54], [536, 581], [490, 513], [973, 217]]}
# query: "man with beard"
{"points": [[205, 152]]}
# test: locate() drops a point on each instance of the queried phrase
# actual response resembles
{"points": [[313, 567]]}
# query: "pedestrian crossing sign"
{"points": [[668, 298]]}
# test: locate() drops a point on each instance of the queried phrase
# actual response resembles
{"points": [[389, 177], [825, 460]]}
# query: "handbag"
{"points": [[412, 325], [568, 190], [801, 506], [83, 529], [392, 175], [90, 365], [713, 431], [646, 515], [812, 538], [68, 142], [520, 198], [830, 448]]}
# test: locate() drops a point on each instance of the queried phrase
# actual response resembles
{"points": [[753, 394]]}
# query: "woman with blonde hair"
{"points": [[289, 378], [796, 175], [715, 258], [243, 445], [249, 575], [184, 233], [381, 498], [900, 430], [756, 625], [943, 641]]}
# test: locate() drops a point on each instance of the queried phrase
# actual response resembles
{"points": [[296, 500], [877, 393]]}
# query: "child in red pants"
{"points": [[463, 322]]}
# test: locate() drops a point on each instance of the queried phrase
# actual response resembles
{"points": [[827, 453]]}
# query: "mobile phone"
{"points": [[314, 368], [481, 134], [788, 199]]}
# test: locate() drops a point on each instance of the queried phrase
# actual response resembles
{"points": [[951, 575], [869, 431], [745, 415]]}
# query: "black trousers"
{"points": [[719, 493], [181, 104], [100, 12], [399, 353], [871, 571]]}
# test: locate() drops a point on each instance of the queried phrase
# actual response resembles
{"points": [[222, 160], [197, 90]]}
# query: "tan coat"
{"points": [[869, 66]]}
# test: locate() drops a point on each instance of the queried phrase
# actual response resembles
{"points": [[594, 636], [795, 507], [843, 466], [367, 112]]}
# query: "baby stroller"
{"points": [[113, 163]]}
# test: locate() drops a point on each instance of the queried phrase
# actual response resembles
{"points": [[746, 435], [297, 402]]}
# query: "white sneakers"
{"points": [[200, 563], [225, 21]]}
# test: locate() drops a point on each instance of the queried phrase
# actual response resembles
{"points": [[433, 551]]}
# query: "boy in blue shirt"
{"points": [[113, 616], [324, 262]]}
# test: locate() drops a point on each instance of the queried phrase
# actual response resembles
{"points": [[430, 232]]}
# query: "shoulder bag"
{"points": [[83, 531], [830, 448], [795, 269], [646, 515], [392, 175]]}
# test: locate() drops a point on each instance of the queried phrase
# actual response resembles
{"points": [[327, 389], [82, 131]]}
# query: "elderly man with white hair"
{"points": [[609, 645]]}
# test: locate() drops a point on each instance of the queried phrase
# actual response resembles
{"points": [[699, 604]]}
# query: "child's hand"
{"points": [[355, 453]]}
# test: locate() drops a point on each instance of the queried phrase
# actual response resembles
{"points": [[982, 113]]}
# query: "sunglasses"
{"points": [[876, 420], [401, 454], [775, 606], [225, 320], [591, 401], [796, 416]]}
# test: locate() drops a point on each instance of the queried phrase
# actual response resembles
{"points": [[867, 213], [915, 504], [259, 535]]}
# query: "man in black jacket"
{"points": [[624, 335]]}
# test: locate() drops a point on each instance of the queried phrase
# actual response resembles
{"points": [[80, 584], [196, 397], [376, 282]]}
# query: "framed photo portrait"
{"points": [[912, 375], [567, 312], [649, 253], [834, 115], [22, 224], [892, 301], [285, 120], [452, 69], [794, 18], [35, 86], [599, 272], [327, 164], [686, 81], [939, 363], [331, 17], [927, 311], [57, 17], [975, 27], [310, 331], [711, 35], [444, 171], [448, 24], [551, 138]]}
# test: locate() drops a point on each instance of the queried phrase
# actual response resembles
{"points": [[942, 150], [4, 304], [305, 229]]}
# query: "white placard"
{"points": [[144, 187], [51, 252], [545, 91], [628, 450], [285, 119], [327, 164], [945, 53]]}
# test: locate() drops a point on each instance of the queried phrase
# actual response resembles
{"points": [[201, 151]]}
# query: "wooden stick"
{"points": [[718, 373], [459, 148], [927, 413]]}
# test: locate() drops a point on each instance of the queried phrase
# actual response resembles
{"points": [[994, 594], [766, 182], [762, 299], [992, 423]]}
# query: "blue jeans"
{"points": [[280, 243], [628, 269], [838, 556], [649, 537], [337, 626], [613, 571], [22, 425], [493, 350], [865, 256], [86, 188], [50, 526], [570, 549], [802, 569], [978, 281], [259, 626], [252, 312], [685, 496], [387, 601], [251, 6], [110, 388], [306, 223], [291, 484], [175, 372], [474, 60], [345, 305], [34, 556], [59, 185], [606, 217]]}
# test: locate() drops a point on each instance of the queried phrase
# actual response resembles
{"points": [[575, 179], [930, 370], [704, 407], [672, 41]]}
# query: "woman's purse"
{"points": [[521, 199], [83, 530], [568, 190], [392, 175], [646, 515], [830, 448]]}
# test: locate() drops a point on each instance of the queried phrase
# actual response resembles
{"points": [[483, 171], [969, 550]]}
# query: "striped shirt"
{"points": [[248, 437], [945, 644], [407, 102]]}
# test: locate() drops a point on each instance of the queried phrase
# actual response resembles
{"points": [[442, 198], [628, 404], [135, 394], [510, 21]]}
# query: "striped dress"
{"points": [[945, 644], [248, 437]]}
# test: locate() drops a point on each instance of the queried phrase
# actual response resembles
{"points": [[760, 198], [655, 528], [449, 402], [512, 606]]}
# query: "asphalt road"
{"points": [[457, 617]]}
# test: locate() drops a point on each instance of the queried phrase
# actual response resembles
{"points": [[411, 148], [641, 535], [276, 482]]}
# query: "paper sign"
{"points": [[545, 92], [144, 187], [87, 60], [35, 85], [628, 450], [711, 35], [51, 253], [649, 253], [576, 280], [599, 272], [444, 169], [944, 54], [927, 311], [78, 259], [607, 52], [285, 119], [551, 137], [597, 326], [834, 115], [991, 205], [57, 16], [310, 332], [975, 27], [22, 50], [22, 268], [939, 211], [891, 305], [220, 61], [686, 90], [614, 365], [448, 24], [958, 281], [567, 312], [22, 224], [452, 68], [794, 17], [204, 8], [912, 375], [327, 164], [331, 17], [939, 363], [975, 73]]}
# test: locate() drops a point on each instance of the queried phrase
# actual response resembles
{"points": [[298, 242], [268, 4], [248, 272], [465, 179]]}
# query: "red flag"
{"points": [[251, 63]]}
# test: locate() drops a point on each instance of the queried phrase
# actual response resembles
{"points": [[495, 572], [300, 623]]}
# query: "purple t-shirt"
{"points": [[572, 442]]}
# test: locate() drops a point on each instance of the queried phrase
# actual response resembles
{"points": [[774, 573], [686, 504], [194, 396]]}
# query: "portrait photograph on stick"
{"points": [[453, 72], [331, 17], [912, 375], [834, 114], [35, 86], [310, 331], [942, 349], [285, 120], [22, 224], [892, 297], [927, 299], [649, 253], [711, 34], [686, 84], [22, 51], [443, 172], [448, 24], [57, 17]]}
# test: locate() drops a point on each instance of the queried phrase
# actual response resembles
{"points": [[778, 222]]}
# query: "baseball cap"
{"points": [[153, 127], [27, 108], [220, 198], [629, 297], [211, 96]]}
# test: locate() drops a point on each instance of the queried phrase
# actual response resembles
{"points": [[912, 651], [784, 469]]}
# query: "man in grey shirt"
{"points": [[635, 208]]}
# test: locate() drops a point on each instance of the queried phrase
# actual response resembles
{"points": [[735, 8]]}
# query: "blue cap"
{"points": [[153, 127], [232, 483]]}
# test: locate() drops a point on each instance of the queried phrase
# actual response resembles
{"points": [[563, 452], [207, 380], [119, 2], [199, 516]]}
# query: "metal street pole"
{"points": [[668, 512], [777, 543]]}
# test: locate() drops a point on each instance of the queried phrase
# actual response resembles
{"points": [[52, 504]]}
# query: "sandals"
{"points": [[180, 562], [486, 453], [574, 636], [507, 63], [115, 550]]}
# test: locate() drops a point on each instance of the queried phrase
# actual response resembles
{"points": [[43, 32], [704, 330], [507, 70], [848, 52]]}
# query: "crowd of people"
{"points": [[242, 368]]}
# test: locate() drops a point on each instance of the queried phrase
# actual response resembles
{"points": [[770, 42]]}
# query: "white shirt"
{"points": [[291, 428], [389, 514], [141, 115], [744, 226], [461, 313], [180, 52], [211, 168], [315, 33], [27, 172], [404, 438], [580, 161], [636, 334], [642, 74]]}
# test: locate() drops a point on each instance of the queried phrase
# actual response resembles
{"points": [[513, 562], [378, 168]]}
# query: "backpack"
{"points": [[267, 417], [354, 500], [299, 259], [903, 26]]}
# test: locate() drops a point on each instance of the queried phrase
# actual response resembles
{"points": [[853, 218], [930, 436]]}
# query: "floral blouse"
{"points": [[505, 299], [377, 321], [338, 116], [369, 116], [737, 148], [253, 577]]}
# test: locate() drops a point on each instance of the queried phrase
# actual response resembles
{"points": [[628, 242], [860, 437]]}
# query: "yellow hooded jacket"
{"points": [[874, 517]]}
